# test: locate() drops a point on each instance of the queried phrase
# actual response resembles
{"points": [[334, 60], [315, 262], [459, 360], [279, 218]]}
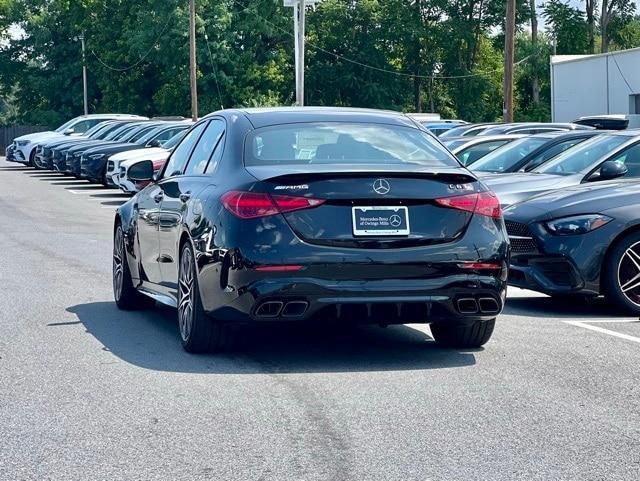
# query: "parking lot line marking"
{"points": [[601, 330], [611, 321], [89, 191]]}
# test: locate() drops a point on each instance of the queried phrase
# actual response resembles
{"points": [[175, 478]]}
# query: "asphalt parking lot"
{"points": [[90, 392]]}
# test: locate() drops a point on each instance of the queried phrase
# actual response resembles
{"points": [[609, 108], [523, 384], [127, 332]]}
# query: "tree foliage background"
{"points": [[412, 55]]}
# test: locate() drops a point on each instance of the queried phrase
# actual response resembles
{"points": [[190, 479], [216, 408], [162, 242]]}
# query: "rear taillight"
{"points": [[483, 203], [250, 205]]}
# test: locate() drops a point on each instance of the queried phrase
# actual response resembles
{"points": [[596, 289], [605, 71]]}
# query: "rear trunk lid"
{"points": [[371, 206]]}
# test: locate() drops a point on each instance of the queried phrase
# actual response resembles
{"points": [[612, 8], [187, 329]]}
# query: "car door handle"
{"points": [[185, 197], [158, 197]]}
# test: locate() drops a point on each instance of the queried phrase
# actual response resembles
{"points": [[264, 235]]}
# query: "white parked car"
{"points": [[122, 179], [164, 136], [23, 148]]}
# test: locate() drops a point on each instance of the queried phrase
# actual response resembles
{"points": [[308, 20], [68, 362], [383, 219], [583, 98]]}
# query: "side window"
{"points": [[478, 151], [204, 149], [84, 125], [550, 153], [167, 134], [181, 154], [631, 158], [217, 155]]}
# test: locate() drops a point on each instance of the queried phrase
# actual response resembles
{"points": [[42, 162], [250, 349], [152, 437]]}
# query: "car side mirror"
{"points": [[69, 131], [611, 169], [155, 143], [141, 171]]}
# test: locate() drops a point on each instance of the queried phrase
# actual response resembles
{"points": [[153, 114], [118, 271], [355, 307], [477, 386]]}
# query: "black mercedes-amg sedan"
{"points": [[312, 214], [582, 240]]}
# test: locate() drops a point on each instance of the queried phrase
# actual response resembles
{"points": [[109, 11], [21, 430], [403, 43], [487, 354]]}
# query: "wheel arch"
{"points": [[632, 229]]}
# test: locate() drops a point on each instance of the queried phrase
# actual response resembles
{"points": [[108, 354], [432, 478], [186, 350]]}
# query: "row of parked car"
{"points": [[571, 200], [569, 192], [101, 148]]}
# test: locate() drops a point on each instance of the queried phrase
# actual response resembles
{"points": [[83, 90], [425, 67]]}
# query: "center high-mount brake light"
{"points": [[251, 205], [482, 203]]}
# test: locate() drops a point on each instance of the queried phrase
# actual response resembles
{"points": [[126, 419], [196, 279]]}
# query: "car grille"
{"points": [[520, 237], [517, 229], [110, 166]]}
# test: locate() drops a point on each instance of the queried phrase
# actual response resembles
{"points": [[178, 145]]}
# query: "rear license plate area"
{"points": [[380, 221]]}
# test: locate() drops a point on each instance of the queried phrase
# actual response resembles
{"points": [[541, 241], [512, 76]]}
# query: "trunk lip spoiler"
{"points": [[265, 173]]}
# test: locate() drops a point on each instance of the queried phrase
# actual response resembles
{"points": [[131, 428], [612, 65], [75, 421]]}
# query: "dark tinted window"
{"points": [[582, 156], [469, 155], [502, 159], [204, 148], [182, 152], [551, 152], [631, 158], [344, 143]]}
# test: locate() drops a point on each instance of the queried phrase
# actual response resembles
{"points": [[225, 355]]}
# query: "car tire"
{"points": [[199, 332], [621, 272], [125, 294], [32, 159], [463, 335]]}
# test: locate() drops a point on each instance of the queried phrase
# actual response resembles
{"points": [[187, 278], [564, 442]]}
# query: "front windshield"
{"points": [[95, 129], [582, 156], [66, 125], [142, 133], [123, 130], [175, 140], [454, 144], [107, 130], [455, 132], [505, 157], [344, 143]]}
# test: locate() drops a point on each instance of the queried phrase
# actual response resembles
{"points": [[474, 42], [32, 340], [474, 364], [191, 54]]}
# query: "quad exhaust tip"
{"points": [[468, 305], [295, 308], [269, 309], [484, 305], [488, 305], [272, 309]]}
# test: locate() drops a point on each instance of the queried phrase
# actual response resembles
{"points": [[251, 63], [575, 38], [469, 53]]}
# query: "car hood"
{"points": [[596, 197], [38, 136], [138, 154], [153, 157], [112, 148], [514, 188]]}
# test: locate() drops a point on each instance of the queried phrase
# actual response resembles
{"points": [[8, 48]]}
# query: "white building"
{"points": [[596, 84]]}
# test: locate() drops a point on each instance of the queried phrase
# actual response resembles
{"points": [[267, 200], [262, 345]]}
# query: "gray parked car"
{"points": [[604, 157]]}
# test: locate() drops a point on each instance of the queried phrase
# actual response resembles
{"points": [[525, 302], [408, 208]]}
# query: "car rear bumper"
{"points": [[458, 297]]}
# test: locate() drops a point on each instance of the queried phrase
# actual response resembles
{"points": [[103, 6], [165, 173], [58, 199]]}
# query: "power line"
{"points": [[153, 45], [213, 67], [373, 67], [615, 60]]}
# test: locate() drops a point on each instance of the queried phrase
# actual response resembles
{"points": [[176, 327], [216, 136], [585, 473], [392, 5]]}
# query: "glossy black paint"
{"points": [[563, 264], [390, 280]]}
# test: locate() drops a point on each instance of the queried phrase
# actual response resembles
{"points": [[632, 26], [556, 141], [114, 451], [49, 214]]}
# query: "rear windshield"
{"points": [[344, 143]]}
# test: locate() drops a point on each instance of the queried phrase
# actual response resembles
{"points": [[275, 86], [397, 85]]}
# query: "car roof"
{"points": [[111, 116], [262, 117], [569, 133]]}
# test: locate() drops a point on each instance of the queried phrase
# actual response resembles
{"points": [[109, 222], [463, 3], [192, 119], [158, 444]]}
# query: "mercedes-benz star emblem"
{"points": [[395, 220], [381, 187]]}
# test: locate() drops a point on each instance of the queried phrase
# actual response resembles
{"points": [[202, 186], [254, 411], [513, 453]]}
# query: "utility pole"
{"points": [[84, 75], [192, 60], [508, 60], [298, 34], [300, 57]]}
